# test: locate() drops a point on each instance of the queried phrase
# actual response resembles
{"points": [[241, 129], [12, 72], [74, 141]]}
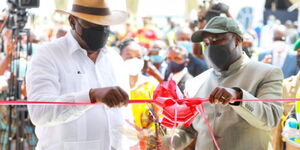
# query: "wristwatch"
{"points": [[239, 96]]}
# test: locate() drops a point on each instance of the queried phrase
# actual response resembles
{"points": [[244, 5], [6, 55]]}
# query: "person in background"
{"points": [[280, 54], [249, 45], [291, 89], [60, 33], [9, 48], [266, 36], [129, 32], [177, 60], [170, 32], [157, 55], [196, 65], [292, 32], [147, 34], [183, 39], [141, 87]]}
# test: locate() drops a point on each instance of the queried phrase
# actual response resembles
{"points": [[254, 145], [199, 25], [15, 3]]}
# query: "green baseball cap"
{"points": [[297, 45], [217, 25]]}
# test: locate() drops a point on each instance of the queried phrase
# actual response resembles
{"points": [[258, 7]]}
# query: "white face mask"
{"points": [[134, 66]]}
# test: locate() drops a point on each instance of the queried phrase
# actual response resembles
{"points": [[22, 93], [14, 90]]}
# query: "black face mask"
{"points": [[248, 51], [221, 56], [175, 67], [95, 37]]}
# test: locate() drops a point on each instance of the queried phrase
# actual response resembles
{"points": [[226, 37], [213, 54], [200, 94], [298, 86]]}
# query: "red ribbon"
{"points": [[176, 108]]}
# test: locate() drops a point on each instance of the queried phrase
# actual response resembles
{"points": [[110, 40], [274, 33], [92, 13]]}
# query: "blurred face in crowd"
{"points": [[248, 48], [182, 36], [221, 49], [91, 37], [247, 44], [132, 55], [279, 35], [156, 57], [201, 20], [157, 53], [177, 59]]}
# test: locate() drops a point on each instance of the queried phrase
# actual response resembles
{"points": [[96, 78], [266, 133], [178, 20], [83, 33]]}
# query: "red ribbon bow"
{"points": [[177, 109]]}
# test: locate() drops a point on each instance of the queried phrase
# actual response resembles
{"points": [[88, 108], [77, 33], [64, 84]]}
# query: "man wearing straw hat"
{"points": [[78, 68]]}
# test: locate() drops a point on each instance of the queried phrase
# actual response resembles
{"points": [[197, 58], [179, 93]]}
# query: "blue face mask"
{"points": [[156, 59], [175, 67], [187, 45]]}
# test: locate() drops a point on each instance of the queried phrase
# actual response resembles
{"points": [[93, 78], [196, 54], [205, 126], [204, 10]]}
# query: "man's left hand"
{"points": [[224, 95]]}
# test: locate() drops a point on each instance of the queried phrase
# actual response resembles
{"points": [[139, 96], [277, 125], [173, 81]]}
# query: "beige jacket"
{"points": [[243, 127]]}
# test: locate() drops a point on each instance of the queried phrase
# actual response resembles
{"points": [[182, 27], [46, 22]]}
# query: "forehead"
{"points": [[133, 48], [176, 53]]}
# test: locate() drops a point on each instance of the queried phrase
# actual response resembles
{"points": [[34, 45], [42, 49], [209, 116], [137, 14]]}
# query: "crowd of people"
{"points": [[213, 57]]}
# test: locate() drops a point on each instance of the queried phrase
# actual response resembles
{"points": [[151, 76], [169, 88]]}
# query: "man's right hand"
{"points": [[111, 96]]}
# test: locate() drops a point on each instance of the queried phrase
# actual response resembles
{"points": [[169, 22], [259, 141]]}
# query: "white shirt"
{"points": [[179, 75], [62, 72], [280, 50]]}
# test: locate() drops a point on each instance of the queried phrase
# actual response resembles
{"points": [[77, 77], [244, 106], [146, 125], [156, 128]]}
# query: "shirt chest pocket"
{"points": [[72, 82]]}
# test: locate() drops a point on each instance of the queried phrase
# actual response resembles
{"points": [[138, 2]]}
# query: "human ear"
{"points": [[238, 40], [72, 22]]}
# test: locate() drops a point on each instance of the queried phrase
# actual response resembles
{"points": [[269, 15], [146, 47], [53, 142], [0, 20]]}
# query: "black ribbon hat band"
{"points": [[91, 10]]}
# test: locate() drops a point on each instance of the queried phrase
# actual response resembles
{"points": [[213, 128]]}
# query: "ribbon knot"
{"points": [[177, 109]]}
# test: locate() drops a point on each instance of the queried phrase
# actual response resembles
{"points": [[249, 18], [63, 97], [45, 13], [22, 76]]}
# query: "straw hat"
{"points": [[97, 12]]}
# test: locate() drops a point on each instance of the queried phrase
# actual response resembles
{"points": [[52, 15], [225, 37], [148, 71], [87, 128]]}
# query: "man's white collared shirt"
{"points": [[62, 72], [179, 75]]}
